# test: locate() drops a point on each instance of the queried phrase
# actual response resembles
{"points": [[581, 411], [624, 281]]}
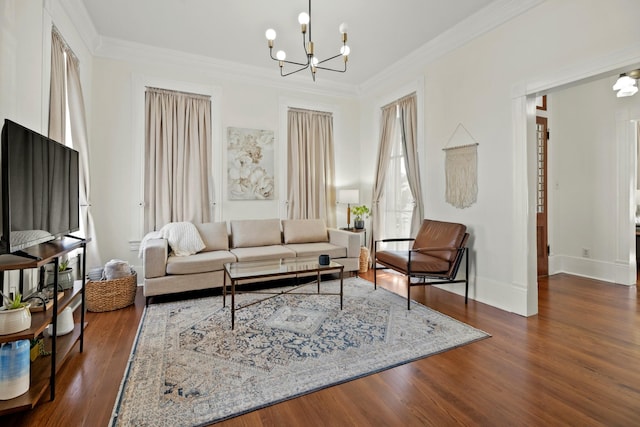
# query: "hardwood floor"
{"points": [[576, 363]]}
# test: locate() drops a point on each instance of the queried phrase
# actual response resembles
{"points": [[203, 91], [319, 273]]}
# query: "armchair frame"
{"points": [[437, 278]]}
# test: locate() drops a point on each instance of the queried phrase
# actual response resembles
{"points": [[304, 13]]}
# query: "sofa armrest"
{"points": [[155, 253], [347, 239]]}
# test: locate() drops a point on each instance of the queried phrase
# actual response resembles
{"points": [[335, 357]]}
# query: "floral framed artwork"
{"points": [[250, 164]]}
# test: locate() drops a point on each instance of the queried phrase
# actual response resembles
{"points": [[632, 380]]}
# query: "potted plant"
{"points": [[360, 213], [65, 275], [14, 315]]}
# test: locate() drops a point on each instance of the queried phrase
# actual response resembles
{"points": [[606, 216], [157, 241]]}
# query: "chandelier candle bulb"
{"points": [[312, 63]]}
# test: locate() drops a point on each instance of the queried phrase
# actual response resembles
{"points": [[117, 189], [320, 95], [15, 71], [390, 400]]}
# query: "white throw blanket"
{"points": [[183, 237]]}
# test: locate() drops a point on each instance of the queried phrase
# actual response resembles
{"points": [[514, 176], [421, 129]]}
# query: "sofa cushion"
{"points": [[255, 232], [202, 262], [263, 252], [419, 262], [315, 249], [304, 231], [214, 235]]}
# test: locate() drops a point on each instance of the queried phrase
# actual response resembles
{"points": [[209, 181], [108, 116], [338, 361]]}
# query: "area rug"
{"points": [[188, 368]]}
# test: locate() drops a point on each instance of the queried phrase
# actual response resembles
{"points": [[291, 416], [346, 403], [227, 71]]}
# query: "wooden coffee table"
{"points": [[251, 270]]}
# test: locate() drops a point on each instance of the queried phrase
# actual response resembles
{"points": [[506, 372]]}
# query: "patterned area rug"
{"points": [[189, 368]]}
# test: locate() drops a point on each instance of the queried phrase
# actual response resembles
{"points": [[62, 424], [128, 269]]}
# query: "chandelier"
{"points": [[313, 63]]}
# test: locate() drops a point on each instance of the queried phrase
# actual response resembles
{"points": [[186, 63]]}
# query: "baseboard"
{"points": [[502, 295], [619, 272]]}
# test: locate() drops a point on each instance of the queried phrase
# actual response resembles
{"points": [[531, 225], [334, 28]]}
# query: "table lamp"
{"points": [[348, 196]]}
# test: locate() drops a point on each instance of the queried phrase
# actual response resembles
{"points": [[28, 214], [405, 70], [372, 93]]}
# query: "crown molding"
{"points": [[614, 62], [112, 48], [77, 13], [481, 22], [486, 19], [140, 53]]}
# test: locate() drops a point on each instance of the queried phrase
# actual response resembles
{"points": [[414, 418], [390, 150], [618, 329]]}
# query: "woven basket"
{"points": [[364, 260], [108, 295]]}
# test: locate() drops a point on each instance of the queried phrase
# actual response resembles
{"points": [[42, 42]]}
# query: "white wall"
{"points": [[481, 85], [583, 178], [21, 56], [25, 49], [118, 137], [476, 85]]}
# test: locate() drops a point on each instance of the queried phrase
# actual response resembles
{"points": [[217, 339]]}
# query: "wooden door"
{"points": [[541, 197]]}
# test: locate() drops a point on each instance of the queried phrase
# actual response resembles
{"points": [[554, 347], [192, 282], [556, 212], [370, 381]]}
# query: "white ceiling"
{"points": [[381, 32]]}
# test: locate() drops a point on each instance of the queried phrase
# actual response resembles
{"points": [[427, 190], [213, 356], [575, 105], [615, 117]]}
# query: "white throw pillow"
{"points": [[183, 237]]}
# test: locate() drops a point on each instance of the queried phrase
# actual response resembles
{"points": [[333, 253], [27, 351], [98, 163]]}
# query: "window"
{"points": [[177, 157], [397, 203]]}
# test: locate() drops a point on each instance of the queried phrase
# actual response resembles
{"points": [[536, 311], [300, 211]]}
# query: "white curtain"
{"points": [[311, 166], [399, 116], [67, 90], [177, 158], [388, 123], [407, 107], [57, 89]]}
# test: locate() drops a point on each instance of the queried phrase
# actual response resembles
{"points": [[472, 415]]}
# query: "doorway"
{"points": [[524, 168]]}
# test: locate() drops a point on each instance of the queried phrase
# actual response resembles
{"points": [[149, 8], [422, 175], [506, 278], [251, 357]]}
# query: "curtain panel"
{"points": [[57, 90], [409, 128], [177, 158], [311, 166], [399, 116], [66, 89], [388, 128]]}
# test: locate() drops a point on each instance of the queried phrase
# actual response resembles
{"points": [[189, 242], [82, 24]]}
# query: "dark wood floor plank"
{"points": [[575, 363]]}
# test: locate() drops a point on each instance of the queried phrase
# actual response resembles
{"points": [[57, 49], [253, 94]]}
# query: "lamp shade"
{"points": [[348, 196]]}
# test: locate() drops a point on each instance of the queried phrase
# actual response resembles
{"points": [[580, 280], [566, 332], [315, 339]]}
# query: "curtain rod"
{"points": [[173, 92], [304, 110], [392, 103]]}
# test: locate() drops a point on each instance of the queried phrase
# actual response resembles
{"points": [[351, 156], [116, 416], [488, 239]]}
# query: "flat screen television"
{"points": [[40, 188]]}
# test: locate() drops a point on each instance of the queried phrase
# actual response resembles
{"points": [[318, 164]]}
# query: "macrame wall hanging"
{"points": [[461, 168]]}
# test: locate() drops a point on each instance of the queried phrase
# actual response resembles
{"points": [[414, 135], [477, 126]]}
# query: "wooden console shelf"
{"points": [[43, 369]]}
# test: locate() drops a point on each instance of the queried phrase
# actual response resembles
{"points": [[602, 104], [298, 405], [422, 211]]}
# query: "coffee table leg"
{"points": [[224, 289], [341, 293], [318, 282], [233, 303]]}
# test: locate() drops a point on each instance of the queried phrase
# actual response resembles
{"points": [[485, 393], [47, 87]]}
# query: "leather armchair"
{"points": [[436, 255]]}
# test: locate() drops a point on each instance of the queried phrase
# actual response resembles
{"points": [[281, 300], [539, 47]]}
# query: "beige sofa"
{"points": [[248, 240]]}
